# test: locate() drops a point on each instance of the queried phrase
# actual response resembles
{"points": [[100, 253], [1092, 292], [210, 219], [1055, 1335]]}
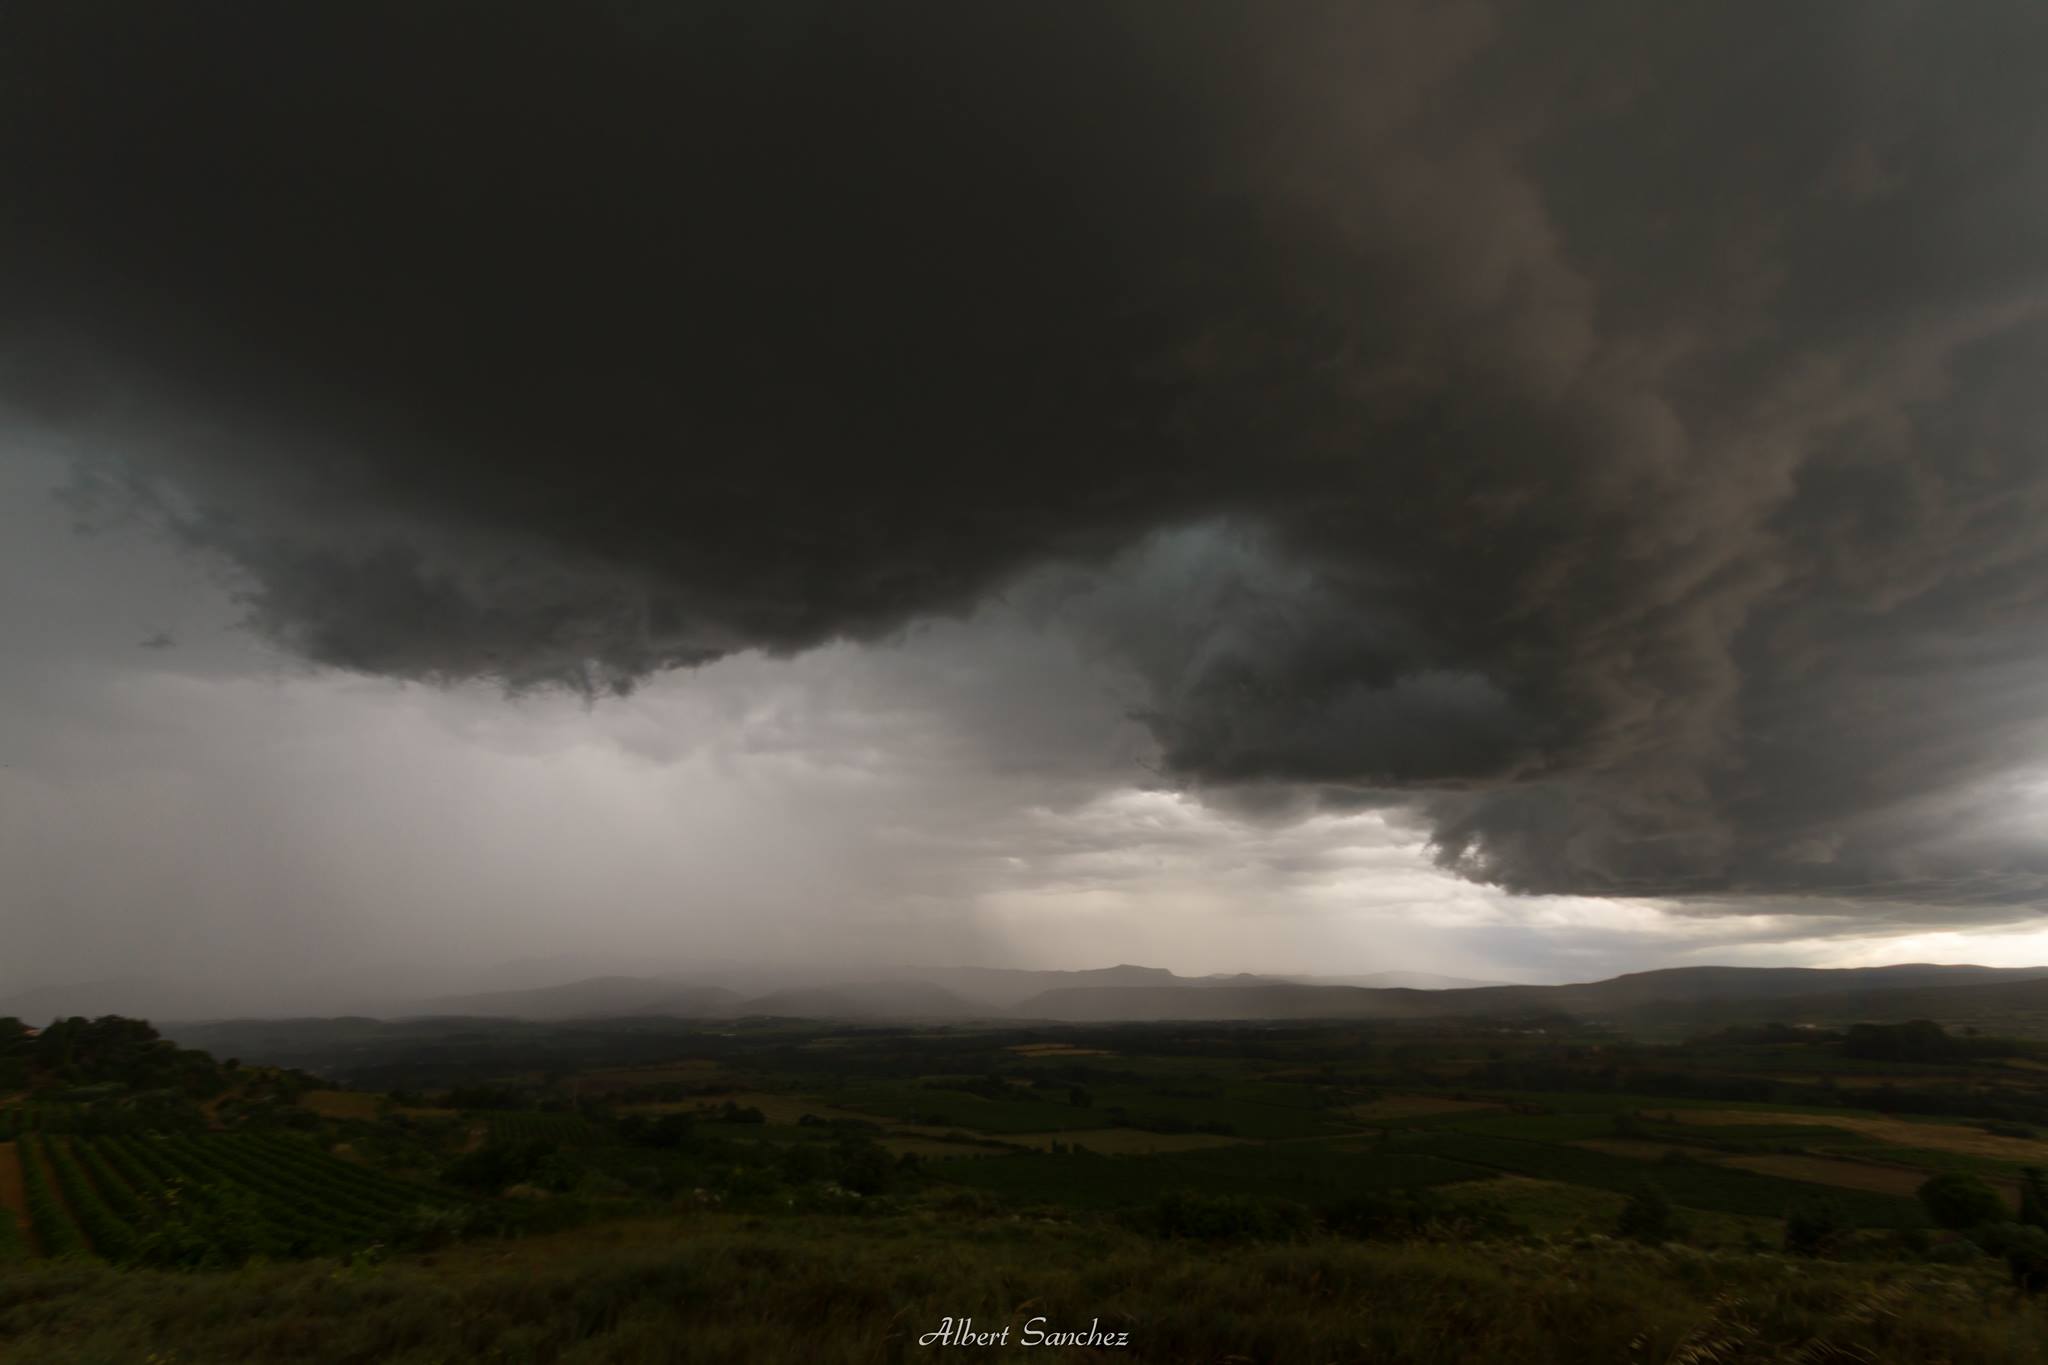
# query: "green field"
{"points": [[172, 1200]]}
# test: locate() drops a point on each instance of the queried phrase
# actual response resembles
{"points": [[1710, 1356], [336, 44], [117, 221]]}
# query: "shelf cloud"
{"points": [[1612, 437]]}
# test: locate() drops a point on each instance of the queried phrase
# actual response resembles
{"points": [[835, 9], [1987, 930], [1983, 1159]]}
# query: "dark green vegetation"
{"points": [[132, 1150], [709, 1287], [1468, 1186]]}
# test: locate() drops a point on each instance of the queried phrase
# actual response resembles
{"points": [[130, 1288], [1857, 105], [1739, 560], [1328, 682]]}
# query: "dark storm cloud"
{"points": [[1616, 432]]}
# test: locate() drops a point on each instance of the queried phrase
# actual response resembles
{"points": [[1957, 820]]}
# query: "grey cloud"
{"points": [[1626, 420]]}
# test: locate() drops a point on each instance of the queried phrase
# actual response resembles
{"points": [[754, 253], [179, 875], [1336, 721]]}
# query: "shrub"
{"points": [[863, 1166], [1647, 1217], [1225, 1218], [1961, 1201], [1394, 1215], [218, 1232], [2025, 1250]]}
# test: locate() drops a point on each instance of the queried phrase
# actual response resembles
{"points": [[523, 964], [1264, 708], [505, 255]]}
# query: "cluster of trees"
{"points": [[1972, 1207], [77, 1052], [1922, 1040], [990, 1087], [499, 1165], [674, 1154], [1765, 1035]]}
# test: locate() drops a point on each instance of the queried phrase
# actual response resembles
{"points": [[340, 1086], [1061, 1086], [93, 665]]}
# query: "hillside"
{"points": [[1417, 981], [1692, 994], [114, 1054], [2002, 1004], [768, 1190], [1657, 1001], [720, 1287]]}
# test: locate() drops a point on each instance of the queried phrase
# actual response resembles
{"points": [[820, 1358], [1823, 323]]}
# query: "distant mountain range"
{"points": [[909, 993], [1417, 981], [1683, 997], [1675, 997]]}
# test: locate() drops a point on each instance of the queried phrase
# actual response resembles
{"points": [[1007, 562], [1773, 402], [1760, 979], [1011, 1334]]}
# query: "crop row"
{"points": [[111, 1235], [17, 1119], [53, 1224], [127, 1197], [13, 1241]]}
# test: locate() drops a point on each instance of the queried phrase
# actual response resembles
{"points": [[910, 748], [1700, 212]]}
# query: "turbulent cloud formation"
{"points": [[1612, 434]]}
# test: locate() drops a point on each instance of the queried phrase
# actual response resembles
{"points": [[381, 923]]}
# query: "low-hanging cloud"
{"points": [[1614, 434]]}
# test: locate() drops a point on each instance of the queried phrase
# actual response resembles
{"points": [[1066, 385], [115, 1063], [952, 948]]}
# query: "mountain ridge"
{"points": [[1134, 993]]}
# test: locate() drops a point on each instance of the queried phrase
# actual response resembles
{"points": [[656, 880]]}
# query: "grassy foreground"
{"points": [[718, 1287]]}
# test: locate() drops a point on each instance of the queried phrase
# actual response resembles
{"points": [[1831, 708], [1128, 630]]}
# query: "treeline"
{"points": [[218, 1199], [1923, 1040], [674, 1155], [80, 1052]]}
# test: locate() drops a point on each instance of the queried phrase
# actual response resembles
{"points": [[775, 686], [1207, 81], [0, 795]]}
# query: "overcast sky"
{"points": [[1227, 487]]}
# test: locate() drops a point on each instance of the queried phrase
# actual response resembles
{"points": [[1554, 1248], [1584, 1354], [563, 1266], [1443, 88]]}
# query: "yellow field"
{"points": [[1635, 1149], [341, 1104], [1945, 1137]]}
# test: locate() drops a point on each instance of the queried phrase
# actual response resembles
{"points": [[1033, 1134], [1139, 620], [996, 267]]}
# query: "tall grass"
{"points": [[718, 1288]]}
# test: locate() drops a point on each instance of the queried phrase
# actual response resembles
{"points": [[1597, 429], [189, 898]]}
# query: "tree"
{"points": [[863, 1165], [1647, 1217], [497, 1165], [1917, 1040], [1961, 1202], [2025, 1250]]}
